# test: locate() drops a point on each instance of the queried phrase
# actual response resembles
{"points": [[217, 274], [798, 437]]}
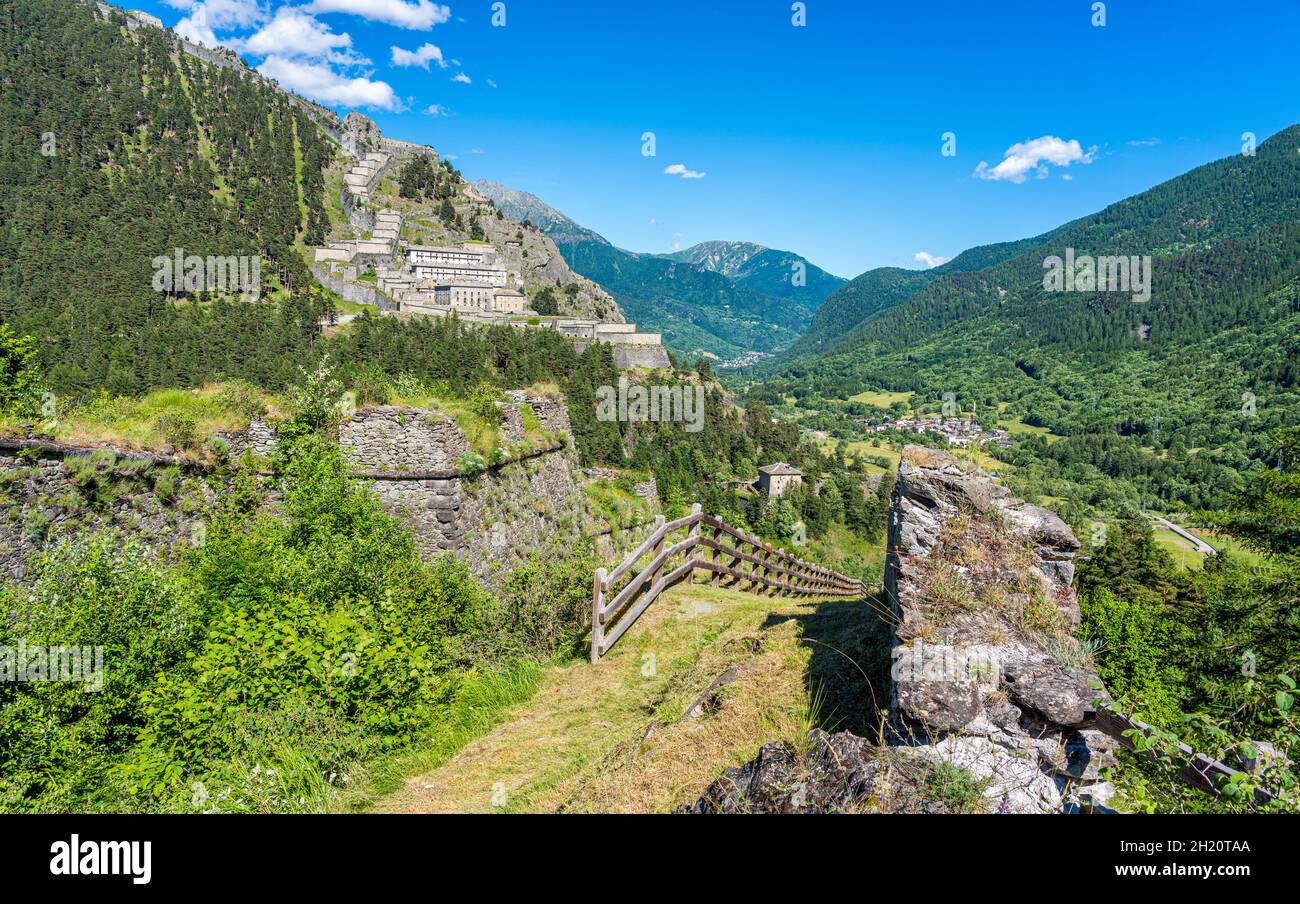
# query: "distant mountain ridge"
{"points": [[783, 274], [1220, 324], [871, 294], [720, 299], [521, 206]]}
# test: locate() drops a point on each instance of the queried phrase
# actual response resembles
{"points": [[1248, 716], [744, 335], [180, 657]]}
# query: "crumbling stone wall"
{"points": [[401, 438], [47, 498], [986, 672], [493, 519]]}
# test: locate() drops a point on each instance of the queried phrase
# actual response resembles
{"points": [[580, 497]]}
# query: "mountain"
{"points": [[524, 207], [119, 148], [765, 270], [726, 304], [867, 296], [1221, 325]]}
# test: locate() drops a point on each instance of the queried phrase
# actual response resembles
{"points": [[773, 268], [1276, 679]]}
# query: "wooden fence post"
{"points": [[717, 555], [693, 533], [597, 603], [654, 553]]}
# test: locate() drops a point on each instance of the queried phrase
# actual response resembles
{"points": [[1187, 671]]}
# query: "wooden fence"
{"points": [[1200, 771], [619, 597]]}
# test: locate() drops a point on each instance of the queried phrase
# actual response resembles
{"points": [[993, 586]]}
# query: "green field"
{"points": [[1185, 555], [1020, 427], [880, 398]]}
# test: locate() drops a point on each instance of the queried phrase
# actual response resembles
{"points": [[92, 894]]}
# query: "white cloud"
{"points": [[1144, 142], [418, 15], [293, 33], [930, 260], [422, 56], [436, 110], [320, 82], [477, 152], [207, 16], [491, 84], [679, 169], [1035, 156], [462, 78]]}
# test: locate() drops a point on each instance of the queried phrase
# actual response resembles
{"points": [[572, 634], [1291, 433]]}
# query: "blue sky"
{"points": [[825, 139]]}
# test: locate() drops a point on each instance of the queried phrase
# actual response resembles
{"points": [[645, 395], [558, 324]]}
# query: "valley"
{"points": [[307, 437]]}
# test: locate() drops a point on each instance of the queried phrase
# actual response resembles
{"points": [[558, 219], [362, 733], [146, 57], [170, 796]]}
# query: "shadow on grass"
{"points": [[849, 641]]}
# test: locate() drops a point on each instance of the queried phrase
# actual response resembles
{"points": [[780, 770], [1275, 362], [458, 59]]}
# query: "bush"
{"points": [[328, 628], [484, 404], [544, 611], [180, 429], [242, 398], [59, 740], [20, 380], [372, 388]]}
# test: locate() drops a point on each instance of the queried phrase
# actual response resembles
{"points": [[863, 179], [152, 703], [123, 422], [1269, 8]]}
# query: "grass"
{"points": [[1233, 547], [955, 789], [867, 449], [615, 737], [178, 417], [1184, 553], [846, 552], [1017, 426], [483, 701], [881, 398], [614, 503]]}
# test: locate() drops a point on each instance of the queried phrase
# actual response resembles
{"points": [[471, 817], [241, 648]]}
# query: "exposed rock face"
{"points": [[987, 674], [838, 775]]}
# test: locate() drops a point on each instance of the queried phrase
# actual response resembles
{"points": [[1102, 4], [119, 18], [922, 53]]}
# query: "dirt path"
{"points": [[615, 737]]}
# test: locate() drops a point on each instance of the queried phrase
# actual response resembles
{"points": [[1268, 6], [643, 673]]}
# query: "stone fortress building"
{"points": [[470, 280]]}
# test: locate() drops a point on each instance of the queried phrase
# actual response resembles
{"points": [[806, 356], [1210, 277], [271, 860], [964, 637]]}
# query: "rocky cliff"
{"points": [[991, 698], [987, 674]]}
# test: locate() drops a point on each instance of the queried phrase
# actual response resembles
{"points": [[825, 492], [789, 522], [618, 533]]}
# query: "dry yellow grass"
{"points": [[612, 737]]}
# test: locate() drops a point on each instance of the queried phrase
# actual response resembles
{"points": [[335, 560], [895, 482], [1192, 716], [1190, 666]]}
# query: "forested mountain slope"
{"points": [[698, 309], [1221, 321], [876, 291], [117, 149], [782, 274]]}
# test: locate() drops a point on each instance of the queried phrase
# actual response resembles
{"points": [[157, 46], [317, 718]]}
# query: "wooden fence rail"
{"points": [[1200, 771], [616, 604]]}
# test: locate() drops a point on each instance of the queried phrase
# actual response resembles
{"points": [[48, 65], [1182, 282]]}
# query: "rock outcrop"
{"points": [[992, 701], [987, 674]]}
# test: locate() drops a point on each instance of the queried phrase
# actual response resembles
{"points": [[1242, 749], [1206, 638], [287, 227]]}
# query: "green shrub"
{"points": [[180, 429], [59, 740], [544, 611], [242, 398], [472, 464], [371, 387], [327, 612], [483, 402]]}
